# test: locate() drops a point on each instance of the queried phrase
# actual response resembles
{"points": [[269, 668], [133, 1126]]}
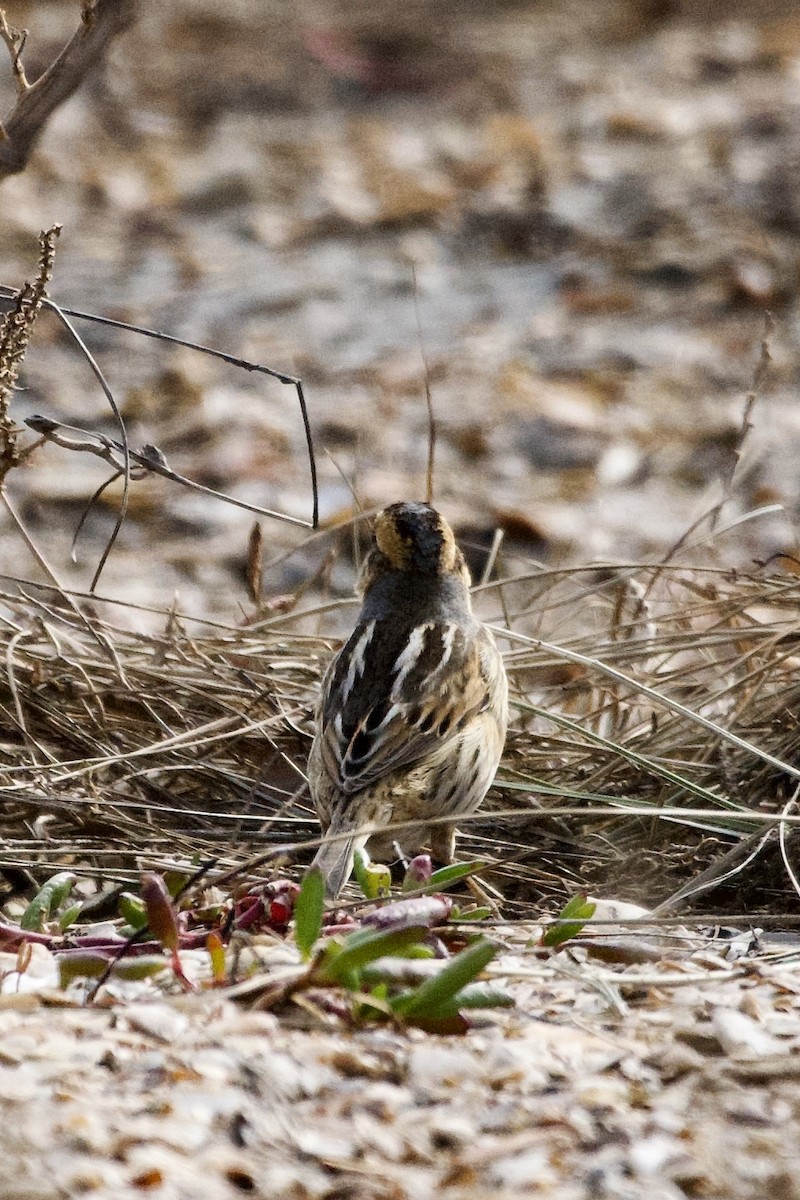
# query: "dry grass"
{"points": [[129, 747], [664, 734]]}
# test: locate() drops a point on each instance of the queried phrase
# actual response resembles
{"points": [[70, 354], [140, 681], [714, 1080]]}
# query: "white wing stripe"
{"points": [[356, 666], [448, 637], [408, 656]]}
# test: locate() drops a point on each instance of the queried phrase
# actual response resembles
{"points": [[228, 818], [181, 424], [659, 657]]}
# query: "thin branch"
{"points": [[7, 293], [125, 466], [428, 398], [491, 557], [149, 457], [759, 375], [15, 40], [712, 516], [101, 22]]}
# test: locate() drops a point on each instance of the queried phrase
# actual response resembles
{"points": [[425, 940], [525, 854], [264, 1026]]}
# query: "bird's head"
{"points": [[414, 539]]}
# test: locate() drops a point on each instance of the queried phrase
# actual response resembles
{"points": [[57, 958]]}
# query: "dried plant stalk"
{"points": [[16, 327]]}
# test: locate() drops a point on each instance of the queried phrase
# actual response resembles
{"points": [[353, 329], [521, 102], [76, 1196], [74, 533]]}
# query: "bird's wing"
{"points": [[393, 695]]}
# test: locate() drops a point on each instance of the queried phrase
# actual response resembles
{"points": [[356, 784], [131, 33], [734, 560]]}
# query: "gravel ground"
{"points": [[668, 1078]]}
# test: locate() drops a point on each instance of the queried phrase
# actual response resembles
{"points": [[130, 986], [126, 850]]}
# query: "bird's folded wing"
{"points": [[396, 695]]}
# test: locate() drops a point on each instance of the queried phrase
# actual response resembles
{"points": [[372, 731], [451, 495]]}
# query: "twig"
{"points": [[759, 374], [15, 40], [125, 467], [149, 458], [491, 557], [232, 359], [101, 22], [428, 399], [712, 516]]}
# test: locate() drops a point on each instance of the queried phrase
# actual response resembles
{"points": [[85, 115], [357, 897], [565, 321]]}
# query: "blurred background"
{"points": [[574, 212]]}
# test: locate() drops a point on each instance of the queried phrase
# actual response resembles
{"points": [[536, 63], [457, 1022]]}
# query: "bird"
{"points": [[412, 712]]}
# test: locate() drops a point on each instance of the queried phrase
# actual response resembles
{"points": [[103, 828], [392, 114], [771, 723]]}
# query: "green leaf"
{"points": [[437, 990], [367, 1006], [563, 928], [132, 909], [364, 947], [395, 970], [483, 995], [361, 864], [176, 881], [69, 916], [47, 900], [141, 966], [308, 912], [374, 879], [578, 906], [472, 914], [89, 964], [473, 996], [445, 877]]}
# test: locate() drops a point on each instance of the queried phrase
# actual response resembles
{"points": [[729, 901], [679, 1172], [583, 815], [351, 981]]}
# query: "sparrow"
{"points": [[412, 712]]}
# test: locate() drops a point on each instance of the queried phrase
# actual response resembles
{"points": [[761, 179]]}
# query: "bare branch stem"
{"points": [[101, 22], [15, 41]]}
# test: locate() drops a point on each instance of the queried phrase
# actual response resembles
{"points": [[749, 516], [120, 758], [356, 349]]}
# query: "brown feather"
{"points": [[413, 709]]}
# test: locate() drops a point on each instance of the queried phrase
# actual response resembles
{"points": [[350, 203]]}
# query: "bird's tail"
{"points": [[335, 857]]}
